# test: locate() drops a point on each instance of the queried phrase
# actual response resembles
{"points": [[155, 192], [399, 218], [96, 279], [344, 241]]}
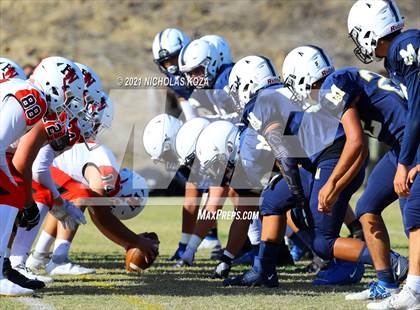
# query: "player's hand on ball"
{"points": [[142, 255]]}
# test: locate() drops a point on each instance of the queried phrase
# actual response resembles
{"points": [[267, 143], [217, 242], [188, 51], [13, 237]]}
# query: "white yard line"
{"points": [[34, 303]]}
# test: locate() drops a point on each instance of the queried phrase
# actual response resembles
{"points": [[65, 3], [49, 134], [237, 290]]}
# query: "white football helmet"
{"points": [[92, 84], [187, 136], [134, 190], [159, 136], [199, 57], [167, 44], [225, 56], [369, 21], [9, 70], [249, 75], [217, 147], [304, 66], [62, 83]]}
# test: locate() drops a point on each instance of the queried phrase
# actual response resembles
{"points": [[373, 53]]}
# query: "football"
{"points": [[135, 260]]}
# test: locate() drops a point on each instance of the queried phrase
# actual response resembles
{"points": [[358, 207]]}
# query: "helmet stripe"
{"points": [[160, 40], [321, 51], [273, 72], [393, 9]]}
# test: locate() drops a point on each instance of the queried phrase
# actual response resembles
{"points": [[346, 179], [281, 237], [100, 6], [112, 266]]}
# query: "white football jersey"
{"points": [[22, 105], [74, 162]]}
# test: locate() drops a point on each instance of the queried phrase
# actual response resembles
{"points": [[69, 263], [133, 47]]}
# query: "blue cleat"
{"points": [[253, 278], [179, 252], [340, 273], [297, 252]]}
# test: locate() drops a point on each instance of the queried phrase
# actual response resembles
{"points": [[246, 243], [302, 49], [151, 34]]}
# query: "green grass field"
{"points": [[164, 287]]}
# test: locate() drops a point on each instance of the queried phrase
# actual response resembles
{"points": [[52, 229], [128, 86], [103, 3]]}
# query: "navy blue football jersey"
{"points": [[402, 63], [306, 134], [381, 104], [255, 156]]}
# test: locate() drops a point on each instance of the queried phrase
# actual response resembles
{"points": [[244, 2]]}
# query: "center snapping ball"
{"points": [[135, 260]]}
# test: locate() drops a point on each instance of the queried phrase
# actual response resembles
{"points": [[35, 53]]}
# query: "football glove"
{"points": [[68, 214], [29, 217]]}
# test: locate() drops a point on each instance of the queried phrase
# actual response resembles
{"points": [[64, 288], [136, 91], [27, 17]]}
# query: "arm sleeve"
{"points": [[288, 165], [41, 169], [411, 138]]}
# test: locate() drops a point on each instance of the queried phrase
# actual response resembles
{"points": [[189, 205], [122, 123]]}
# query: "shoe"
{"points": [[209, 243], [222, 271], [17, 278], [178, 253], [253, 278], [67, 268], [37, 261], [182, 263], [216, 253], [340, 273], [400, 266], [405, 299], [31, 275], [297, 252], [8, 288], [375, 291]]}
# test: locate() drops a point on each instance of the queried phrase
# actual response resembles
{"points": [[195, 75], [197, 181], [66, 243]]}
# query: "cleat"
{"points": [[399, 264], [375, 291], [253, 278], [297, 252], [179, 252], [222, 271], [216, 253], [182, 263], [16, 277], [37, 261], [67, 268], [405, 299], [340, 273], [8, 288], [210, 243], [31, 275]]}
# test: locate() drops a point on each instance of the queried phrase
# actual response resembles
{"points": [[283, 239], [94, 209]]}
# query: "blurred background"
{"points": [[115, 39]]}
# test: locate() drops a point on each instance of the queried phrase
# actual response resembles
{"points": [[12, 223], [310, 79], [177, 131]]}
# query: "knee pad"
{"points": [[323, 246]]}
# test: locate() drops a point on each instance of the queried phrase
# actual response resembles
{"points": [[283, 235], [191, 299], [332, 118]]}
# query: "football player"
{"points": [[166, 47], [381, 110], [375, 27], [323, 234], [55, 87]]}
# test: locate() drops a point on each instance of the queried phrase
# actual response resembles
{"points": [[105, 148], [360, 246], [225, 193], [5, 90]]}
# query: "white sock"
{"points": [[191, 248], [44, 243], [413, 282], [61, 248], [194, 243], [7, 253], [254, 232], [7, 219], [185, 238]]}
